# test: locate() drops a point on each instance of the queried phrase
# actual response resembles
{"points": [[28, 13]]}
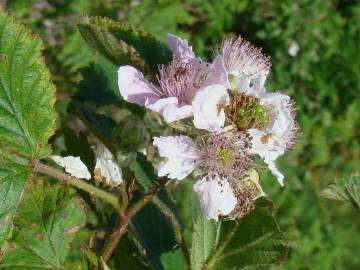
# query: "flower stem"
{"points": [[125, 217], [78, 183]]}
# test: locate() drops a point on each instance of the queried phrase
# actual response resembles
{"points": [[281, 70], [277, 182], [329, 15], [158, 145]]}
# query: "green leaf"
{"points": [[99, 124], [103, 41], [44, 227], [204, 236], [157, 237], [164, 212], [125, 257], [96, 86], [27, 96], [344, 189], [12, 179], [147, 47], [254, 240]]}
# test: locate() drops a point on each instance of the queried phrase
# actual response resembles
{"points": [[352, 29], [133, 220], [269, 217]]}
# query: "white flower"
{"points": [[106, 168], [73, 165], [278, 135], [181, 156], [226, 155], [215, 199], [208, 106]]}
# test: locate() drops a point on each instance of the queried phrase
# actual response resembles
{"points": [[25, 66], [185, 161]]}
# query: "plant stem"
{"points": [[126, 216], [78, 183]]}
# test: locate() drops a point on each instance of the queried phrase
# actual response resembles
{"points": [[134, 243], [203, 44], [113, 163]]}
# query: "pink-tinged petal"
{"points": [[170, 109], [215, 199], [217, 73], [180, 156], [209, 107], [135, 88], [180, 47]]}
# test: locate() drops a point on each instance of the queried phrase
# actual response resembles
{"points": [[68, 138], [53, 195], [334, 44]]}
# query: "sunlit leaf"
{"points": [[27, 115], [46, 223]]}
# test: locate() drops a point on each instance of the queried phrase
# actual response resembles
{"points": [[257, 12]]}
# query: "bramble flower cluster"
{"points": [[227, 100]]}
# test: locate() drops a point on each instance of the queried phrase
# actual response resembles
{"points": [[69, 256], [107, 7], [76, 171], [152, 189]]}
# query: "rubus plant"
{"points": [[125, 146]]}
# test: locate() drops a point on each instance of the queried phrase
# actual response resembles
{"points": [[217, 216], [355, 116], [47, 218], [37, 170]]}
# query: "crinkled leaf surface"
{"points": [[27, 115], [103, 41], [345, 189], [122, 44], [12, 179], [254, 240], [45, 225]]}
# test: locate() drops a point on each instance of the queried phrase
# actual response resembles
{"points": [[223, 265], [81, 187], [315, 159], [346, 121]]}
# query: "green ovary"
{"points": [[251, 116], [225, 156]]}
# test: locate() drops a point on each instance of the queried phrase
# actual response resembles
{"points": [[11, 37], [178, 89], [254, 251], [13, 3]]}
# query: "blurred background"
{"points": [[315, 53]]}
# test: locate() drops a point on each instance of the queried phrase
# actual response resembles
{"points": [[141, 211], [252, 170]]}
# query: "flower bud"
{"points": [[131, 132]]}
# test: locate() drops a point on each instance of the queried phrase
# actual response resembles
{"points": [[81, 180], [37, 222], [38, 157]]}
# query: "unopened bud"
{"points": [[131, 132]]}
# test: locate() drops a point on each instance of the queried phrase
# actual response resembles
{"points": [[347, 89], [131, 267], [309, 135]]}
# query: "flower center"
{"points": [[225, 156], [246, 112]]}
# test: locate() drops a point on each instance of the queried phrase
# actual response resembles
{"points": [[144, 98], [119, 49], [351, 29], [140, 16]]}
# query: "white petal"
{"points": [[135, 88], [106, 167], [215, 200], [170, 109], [180, 156], [208, 107], [281, 121], [73, 165], [267, 147], [272, 167], [180, 47]]}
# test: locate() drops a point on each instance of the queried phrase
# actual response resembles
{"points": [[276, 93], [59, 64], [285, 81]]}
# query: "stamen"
{"points": [[181, 79], [240, 55], [225, 155]]}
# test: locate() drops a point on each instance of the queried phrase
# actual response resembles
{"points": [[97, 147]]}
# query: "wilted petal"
{"points": [[135, 88], [215, 199], [106, 168], [170, 109], [208, 107], [180, 156], [180, 47], [73, 165]]}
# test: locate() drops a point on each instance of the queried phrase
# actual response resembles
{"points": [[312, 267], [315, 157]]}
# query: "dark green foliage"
{"points": [[156, 235], [254, 240], [96, 86]]}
